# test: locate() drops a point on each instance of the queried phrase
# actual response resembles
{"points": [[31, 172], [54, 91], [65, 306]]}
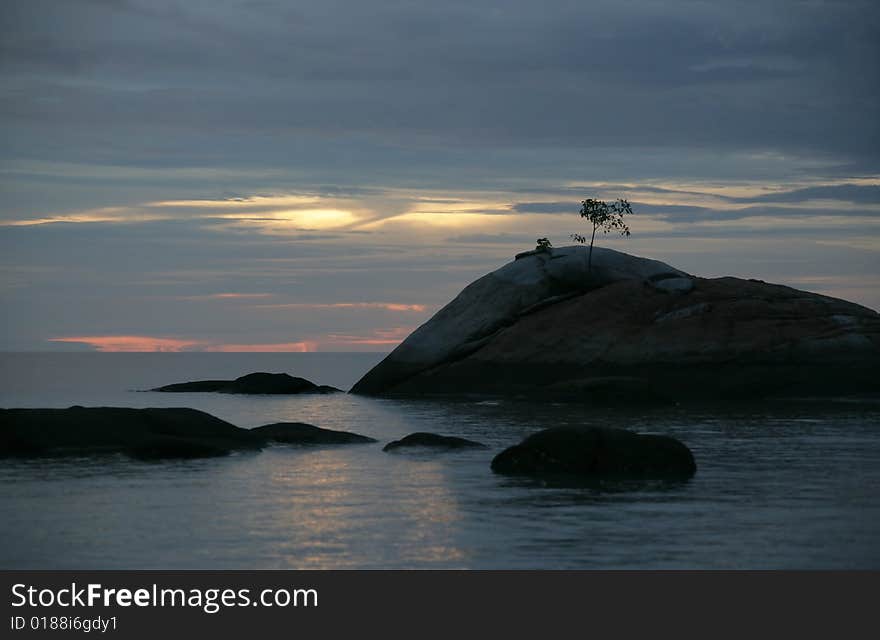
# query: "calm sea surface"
{"points": [[776, 488]]}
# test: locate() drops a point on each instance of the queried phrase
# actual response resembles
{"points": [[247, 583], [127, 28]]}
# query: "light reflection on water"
{"points": [[774, 489]]}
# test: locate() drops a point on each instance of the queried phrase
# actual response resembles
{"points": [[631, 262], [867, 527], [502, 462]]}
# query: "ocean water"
{"points": [[777, 487]]}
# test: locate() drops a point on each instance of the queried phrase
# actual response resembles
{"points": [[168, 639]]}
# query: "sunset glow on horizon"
{"points": [[130, 343], [385, 338]]}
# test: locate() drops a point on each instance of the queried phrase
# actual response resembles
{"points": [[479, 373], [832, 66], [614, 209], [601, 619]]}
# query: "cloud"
{"points": [[275, 347], [711, 203], [130, 343], [854, 193], [227, 296], [385, 306], [784, 217], [382, 338], [486, 238], [164, 163], [102, 215], [545, 207], [269, 85]]}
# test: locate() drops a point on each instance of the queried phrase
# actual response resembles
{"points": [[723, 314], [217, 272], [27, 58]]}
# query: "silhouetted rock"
{"points": [[302, 433], [253, 383], [196, 386], [608, 390], [166, 448], [431, 440], [632, 329], [141, 433], [597, 453]]}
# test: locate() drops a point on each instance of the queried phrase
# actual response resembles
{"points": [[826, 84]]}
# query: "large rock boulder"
{"points": [[307, 434], [253, 383], [535, 280], [140, 433], [597, 453], [632, 330]]}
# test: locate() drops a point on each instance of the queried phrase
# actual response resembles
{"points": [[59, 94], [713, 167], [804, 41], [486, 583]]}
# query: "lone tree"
{"points": [[605, 216]]}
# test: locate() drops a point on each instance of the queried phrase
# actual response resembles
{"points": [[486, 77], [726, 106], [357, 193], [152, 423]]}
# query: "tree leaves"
{"points": [[605, 216]]}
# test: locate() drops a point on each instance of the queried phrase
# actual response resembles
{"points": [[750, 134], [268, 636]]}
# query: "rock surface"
{"points": [[302, 433], [253, 383], [431, 440], [140, 433], [634, 329], [597, 453]]}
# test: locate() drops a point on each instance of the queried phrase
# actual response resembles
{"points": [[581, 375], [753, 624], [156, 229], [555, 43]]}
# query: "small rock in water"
{"points": [[431, 440], [252, 383], [150, 434], [597, 452], [302, 433]]}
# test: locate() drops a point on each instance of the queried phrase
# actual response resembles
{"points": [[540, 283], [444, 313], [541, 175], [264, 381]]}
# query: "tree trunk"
{"points": [[590, 258]]}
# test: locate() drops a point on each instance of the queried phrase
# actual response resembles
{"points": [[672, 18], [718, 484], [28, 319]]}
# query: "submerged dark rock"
{"points": [[431, 440], [253, 383], [302, 433], [140, 433], [632, 329], [595, 452]]}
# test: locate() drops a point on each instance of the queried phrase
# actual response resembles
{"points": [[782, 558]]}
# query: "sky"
{"points": [[324, 175]]}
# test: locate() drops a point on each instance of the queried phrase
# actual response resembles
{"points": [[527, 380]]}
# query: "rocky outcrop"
{"points": [[147, 434], [307, 434], [140, 433], [164, 448], [534, 281], [253, 383], [431, 440], [632, 330], [597, 453]]}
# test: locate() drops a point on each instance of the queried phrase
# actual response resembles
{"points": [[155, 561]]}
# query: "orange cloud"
{"points": [[130, 343], [154, 344], [405, 307], [333, 341], [226, 296]]}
